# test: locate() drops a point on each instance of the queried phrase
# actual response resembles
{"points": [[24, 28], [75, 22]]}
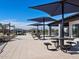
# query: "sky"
{"points": [[18, 12]]}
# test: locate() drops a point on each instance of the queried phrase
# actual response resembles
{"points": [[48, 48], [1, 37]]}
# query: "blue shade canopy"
{"points": [[55, 8], [42, 19]]}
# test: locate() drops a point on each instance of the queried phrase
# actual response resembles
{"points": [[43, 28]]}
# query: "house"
{"points": [[71, 23]]}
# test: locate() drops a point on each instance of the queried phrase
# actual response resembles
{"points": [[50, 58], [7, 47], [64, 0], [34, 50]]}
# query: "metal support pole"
{"points": [[38, 33], [37, 29], [3, 29], [62, 26], [43, 28], [49, 30], [9, 31], [14, 30]]}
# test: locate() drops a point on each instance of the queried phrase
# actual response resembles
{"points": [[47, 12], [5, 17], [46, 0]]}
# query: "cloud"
{"points": [[23, 25]]}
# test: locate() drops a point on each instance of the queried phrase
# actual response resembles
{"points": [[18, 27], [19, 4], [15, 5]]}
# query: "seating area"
{"points": [[68, 46], [69, 43]]}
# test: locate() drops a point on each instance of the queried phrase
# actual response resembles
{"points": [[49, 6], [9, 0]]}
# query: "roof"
{"points": [[66, 20]]}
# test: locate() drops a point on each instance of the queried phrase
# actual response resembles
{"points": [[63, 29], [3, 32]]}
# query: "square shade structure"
{"points": [[37, 25], [42, 19], [55, 8]]}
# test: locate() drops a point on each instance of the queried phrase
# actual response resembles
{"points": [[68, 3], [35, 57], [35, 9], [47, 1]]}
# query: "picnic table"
{"points": [[58, 43]]}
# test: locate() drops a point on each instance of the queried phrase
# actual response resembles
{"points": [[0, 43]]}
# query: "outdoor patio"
{"points": [[25, 47]]}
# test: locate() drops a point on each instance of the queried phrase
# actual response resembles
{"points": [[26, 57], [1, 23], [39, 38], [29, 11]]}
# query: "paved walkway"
{"points": [[25, 47]]}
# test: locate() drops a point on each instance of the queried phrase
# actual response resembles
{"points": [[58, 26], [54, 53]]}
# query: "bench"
{"points": [[56, 43], [65, 48], [50, 44], [47, 44]]}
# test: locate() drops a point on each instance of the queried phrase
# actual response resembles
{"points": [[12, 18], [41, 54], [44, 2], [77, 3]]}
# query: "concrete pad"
{"points": [[25, 47]]}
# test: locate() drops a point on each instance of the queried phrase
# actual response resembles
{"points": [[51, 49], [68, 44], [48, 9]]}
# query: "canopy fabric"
{"points": [[42, 19], [55, 8], [75, 2]]}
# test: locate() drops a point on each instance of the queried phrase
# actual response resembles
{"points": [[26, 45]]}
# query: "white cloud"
{"points": [[23, 25], [18, 24]]}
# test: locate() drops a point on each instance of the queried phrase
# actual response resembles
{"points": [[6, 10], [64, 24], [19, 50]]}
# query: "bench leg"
{"points": [[47, 47]]}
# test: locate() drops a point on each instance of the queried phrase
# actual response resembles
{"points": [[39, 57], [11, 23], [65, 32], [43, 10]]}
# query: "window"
{"points": [[66, 31], [75, 30]]}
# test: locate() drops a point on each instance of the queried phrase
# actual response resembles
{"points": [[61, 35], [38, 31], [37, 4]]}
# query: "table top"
{"points": [[70, 42], [47, 43], [54, 41], [65, 38]]}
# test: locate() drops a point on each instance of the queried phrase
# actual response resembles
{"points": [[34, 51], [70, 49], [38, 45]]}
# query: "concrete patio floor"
{"points": [[25, 47]]}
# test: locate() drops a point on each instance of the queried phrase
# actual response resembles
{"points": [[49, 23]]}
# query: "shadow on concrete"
{"points": [[2, 46], [74, 49]]}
